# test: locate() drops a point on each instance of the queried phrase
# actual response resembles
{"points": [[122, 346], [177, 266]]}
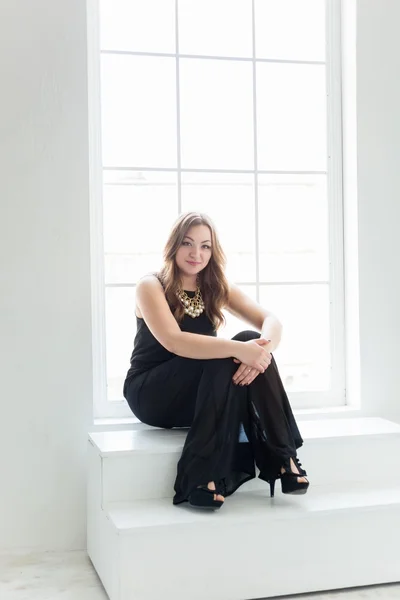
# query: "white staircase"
{"points": [[343, 533]]}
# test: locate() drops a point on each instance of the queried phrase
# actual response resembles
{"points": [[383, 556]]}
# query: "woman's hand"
{"points": [[254, 354], [245, 374]]}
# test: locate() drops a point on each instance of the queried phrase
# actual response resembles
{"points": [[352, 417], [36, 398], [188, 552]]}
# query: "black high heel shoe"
{"points": [[289, 482], [203, 497]]}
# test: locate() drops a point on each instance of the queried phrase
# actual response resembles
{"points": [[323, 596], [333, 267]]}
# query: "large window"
{"points": [[229, 107]]}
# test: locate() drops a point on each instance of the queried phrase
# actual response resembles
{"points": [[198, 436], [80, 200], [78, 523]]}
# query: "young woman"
{"points": [[183, 375]]}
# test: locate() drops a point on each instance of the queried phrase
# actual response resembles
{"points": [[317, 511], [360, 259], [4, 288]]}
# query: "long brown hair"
{"points": [[212, 281]]}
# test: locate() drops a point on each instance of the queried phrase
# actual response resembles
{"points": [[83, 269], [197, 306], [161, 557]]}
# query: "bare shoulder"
{"points": [[153, 308], [148, 284], [149, 281]]}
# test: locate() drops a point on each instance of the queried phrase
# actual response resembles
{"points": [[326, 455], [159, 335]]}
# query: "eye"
{"points": [[207, 246], [183, 243]]}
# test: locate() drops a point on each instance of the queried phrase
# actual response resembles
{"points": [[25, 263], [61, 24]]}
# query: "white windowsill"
{"points": [[121, 423], [115, 421]]}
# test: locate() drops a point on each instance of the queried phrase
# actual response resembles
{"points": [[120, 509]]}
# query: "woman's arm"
{"points": [[194, 345], [242, 306], [154, 308]]}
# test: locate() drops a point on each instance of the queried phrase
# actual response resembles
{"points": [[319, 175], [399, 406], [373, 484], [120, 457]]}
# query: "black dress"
{"points": [[166, 390]]}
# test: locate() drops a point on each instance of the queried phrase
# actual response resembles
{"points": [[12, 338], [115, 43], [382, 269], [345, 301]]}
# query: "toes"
{"points": [[217, 497]]}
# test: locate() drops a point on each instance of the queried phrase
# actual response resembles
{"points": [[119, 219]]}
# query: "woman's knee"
{"points": [[245, 336]]}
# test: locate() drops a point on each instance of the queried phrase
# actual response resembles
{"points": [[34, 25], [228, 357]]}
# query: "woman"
{"points": [[182, 375]]}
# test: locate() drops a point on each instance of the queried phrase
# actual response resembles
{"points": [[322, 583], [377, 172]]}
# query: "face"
{"points": [[195, 251]]}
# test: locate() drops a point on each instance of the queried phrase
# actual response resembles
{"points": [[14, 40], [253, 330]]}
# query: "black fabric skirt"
{"points": [[200, 394]]}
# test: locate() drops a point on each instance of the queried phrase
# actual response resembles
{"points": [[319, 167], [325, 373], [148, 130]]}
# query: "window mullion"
{"points": [[256, 217], [178, 110], [335, 195], [99, 346]]}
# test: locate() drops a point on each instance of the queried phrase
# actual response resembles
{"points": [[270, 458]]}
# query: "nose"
{"points": [[195, 254]]}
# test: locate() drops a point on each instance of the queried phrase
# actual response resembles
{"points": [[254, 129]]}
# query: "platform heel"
{"points": [[290, 485], [203, 497]]}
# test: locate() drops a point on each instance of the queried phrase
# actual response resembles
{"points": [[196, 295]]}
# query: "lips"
{"points": [[194, 264]]}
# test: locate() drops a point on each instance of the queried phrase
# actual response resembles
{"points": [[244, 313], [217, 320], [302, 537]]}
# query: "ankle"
{"points": [[292, 466]]}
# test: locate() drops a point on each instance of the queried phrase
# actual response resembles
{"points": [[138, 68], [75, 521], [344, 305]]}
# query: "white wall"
{"points": [[45, 341], [45, 276], [378, 89]]}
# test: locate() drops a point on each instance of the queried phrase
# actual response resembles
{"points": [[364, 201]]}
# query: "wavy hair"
{"points": [[212, 281]]}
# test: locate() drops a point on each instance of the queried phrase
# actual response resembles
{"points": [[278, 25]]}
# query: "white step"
{"points": [[142, 464], [254, 547], [338, 535]]}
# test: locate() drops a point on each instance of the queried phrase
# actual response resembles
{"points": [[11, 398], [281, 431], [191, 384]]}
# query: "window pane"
{"points": [[291, 114], [229, 200], [138, 111], [137, 207], [293, 228], [216, 114], [216, 133], [139, 25], [233, 324], [120, 333], [290, 29], [222, 28], [303, 356]]}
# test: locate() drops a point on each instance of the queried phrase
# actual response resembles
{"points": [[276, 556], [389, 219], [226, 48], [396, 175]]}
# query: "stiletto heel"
{"points": [[272, 487], [290, 485]]}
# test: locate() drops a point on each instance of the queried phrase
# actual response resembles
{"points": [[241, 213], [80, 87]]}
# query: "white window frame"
{"points": [[336, 396]]}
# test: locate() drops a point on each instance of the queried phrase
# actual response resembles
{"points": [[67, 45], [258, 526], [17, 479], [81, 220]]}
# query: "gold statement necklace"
{"points": [[193, 306]]}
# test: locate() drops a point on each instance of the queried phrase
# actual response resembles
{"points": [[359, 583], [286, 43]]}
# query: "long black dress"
{"points": [[166, 390]]}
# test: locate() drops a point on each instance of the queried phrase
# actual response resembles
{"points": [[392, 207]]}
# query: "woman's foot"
{"points": [[203, 497], [211, 486], [291, 484], [294, 469]]}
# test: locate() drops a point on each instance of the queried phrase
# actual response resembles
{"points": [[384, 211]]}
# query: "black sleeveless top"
{"points": [[147, 350]]}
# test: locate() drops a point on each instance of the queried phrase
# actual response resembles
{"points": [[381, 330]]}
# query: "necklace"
{"points": [[193, 306]]}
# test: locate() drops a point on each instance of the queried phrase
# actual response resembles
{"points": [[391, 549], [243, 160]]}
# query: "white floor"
{"points": [[70, 576]]}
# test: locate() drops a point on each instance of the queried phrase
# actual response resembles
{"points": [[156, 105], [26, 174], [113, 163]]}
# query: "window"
{"points": [[229, 107]]}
